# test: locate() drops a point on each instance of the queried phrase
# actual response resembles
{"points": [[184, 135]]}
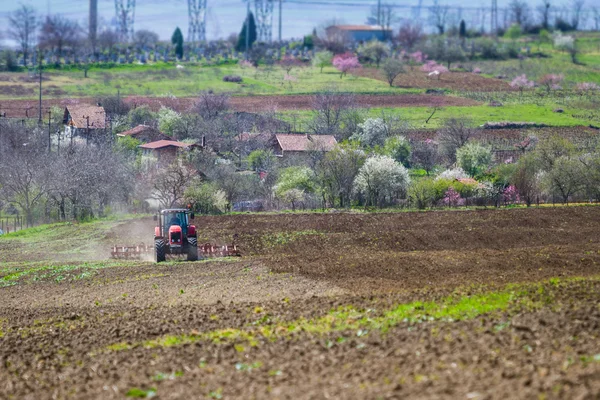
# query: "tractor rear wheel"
{"points": [[192, 251], [160, 249]]}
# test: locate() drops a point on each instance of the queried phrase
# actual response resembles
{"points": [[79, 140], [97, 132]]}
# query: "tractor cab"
{"points": [[175, 217]]}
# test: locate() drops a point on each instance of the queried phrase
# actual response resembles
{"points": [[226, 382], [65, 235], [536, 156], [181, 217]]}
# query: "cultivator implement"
{"points": [[143, 251]]}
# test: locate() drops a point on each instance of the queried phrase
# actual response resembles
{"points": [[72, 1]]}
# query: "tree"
{"points": [[141, 115], [241, 44], [551, 148], [322, 59], [374, 51], [338, 169], [544, 11], [566, 178], [170, 184], [206, 198], [382, 15], [262, 160], [398, 147], [425, 155], [392, 67], [576, 13], [381, 180], [107, 40], [23, 25], [437, 16], [294, 184], [345, 63], [330, 108], [551, 81], [513, 32], [521, 82], [145, 39], [57, 33], [474, 158], [519, 10], [596, 17], [410, 34], [372, 132], [568, 44], [454, 134], [525, 177], [168, 120], [177, 41], [462, 30]]}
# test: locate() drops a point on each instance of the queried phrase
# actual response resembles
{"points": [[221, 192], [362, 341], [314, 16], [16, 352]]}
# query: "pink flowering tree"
{"points": [[346, 63], [587, 87], [452, 198], [434, 69], [245, 64], [521, 82], [289, 79], [510, 195], [551, 81], [289, 62]]}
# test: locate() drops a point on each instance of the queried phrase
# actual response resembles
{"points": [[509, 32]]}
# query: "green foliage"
{"points": [[261, 160], [297, 177], [423, 193], [513, 32], [168, 120], [374, 51], [206, 198], [462, 30], [141, 115], [141, 393], [398, 147], [392, 67], [474, 158], [322, 59], [128, 144], [308, 42], [241, 44], [177, 41]]}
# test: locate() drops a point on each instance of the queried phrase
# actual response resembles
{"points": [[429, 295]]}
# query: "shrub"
{"points": [[474, 158], [452, 198], [232, 78], [521, 82], [398, 148], [422, 193]]}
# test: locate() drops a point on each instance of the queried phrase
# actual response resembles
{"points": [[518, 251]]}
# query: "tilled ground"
{"points": [[312, 311]]}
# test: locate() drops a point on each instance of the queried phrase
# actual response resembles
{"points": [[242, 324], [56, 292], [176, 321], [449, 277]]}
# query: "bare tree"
{"points": [[577, 15], [145, 39], [410, 34], [330, 108], [107, 40], [437, 16], [58, 32], [544, 11], [169, 184], [519, 11], [210, 105], [454, 134], [382, 15], [596, 16], [23, 24]]}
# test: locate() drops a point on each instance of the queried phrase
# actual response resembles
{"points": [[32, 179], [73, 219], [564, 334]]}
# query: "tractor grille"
{"points": [[176, 237]]}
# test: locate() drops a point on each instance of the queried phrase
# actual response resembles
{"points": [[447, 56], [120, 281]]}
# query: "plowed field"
{"points": [[489, 304]]}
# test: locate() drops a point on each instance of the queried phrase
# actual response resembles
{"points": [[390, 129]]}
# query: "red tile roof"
{"points": [[79, 114], [305, 142], [161, 144]]}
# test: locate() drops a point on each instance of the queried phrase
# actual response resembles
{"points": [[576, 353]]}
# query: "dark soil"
{"points": [[55, 335]]}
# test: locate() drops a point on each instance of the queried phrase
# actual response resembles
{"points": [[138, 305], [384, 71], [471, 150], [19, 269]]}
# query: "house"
{"points": [[359, 33], [166, 151], [301, 144], [84, 120], [145, 134]]}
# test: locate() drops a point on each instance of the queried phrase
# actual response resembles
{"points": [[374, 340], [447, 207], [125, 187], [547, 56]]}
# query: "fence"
{"points": [[11, 224]]}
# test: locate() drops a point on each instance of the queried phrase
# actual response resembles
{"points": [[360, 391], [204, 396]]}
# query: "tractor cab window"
{"points": [[176, 219]]}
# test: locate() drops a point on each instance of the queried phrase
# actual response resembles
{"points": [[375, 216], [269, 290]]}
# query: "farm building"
{"points": [[145, 134], [290, 144], [165, 151], [359, 33], [79, 120]]}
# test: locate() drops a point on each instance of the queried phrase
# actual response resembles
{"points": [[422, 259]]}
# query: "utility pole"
{"points": [[379, 12], [49, 138], [40, 104], [494, 22], [280, 20], [248, 32]]}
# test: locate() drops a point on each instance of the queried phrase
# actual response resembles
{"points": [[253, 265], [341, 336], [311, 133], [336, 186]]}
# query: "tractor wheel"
{"points": [[160, 248], [192, 250]]}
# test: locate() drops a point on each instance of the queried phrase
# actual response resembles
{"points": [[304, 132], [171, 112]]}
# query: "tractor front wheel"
{"points": [[160, 248], [192, 251]]}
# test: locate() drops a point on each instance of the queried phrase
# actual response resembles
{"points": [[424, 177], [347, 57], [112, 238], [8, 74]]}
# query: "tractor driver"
{"points": [[175, 221]]}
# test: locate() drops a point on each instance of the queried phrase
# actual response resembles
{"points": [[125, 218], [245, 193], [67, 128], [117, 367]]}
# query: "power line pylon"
{"points": [[494, 22], [264, 20], [125, 13], [197, 18]]}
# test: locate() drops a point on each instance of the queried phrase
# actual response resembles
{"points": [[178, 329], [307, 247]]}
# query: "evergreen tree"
{"points": [[177, 40], [241, 44], [462, 31]]}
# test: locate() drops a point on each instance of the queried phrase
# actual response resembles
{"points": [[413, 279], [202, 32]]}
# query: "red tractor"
{"points": [[175, 235]]}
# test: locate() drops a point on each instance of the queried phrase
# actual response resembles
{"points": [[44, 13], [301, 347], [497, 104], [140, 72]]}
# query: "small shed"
{"points": [[299, 144], [166, 151], [79, 120]]}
